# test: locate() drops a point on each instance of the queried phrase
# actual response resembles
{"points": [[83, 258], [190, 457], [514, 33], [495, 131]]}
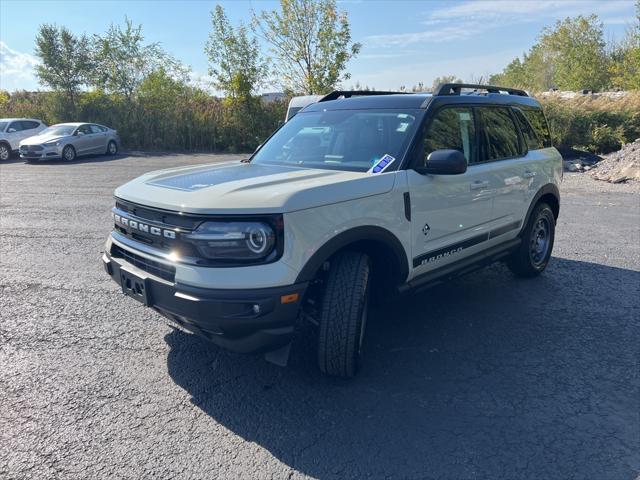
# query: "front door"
{"points": [[450, 214], [84, 140]]}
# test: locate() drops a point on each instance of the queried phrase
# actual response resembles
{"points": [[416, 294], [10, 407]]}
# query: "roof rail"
{"points": [[456, 88], [354, 93]]}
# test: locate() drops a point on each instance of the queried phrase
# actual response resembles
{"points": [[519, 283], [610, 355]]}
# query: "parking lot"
{"points": [[485, 377]]}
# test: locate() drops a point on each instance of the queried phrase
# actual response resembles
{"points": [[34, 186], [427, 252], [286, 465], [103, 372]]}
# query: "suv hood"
{"points": [[40, 139], [246, 188]]}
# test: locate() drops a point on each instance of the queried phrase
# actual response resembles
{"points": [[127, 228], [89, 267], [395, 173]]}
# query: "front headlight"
{"points": [[51, 144], [233, 241]]}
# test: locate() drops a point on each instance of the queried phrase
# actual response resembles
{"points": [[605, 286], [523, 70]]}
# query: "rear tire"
{"points": [[343, 314], [112, 148], [69, 153], [533, 254]]}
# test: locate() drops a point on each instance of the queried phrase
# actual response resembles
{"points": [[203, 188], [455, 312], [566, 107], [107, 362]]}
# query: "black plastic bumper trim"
{"points": [[241, 320]]}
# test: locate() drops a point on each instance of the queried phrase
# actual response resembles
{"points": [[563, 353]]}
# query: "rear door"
{"points": [[450, 214], [99, 138], [30, 128], [15, 134], [503, 148]]}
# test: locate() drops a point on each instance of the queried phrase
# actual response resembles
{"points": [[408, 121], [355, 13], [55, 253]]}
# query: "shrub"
{"points": [[163, 116], [597, 123]]}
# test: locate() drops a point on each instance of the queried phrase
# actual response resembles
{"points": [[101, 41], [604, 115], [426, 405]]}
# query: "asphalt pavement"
{"points": [[485, 377]]}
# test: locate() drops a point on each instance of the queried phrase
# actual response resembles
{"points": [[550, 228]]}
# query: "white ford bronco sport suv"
{"points": [[359, 195]]}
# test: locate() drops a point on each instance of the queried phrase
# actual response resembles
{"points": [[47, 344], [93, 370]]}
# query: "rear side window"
{"points": [[29, 124], [539, 124], [500, 134], [451, 129], [97, 129], [529, 135]]}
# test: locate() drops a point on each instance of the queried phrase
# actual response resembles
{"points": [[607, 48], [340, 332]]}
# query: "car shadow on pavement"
{"points": [[487, 376], [84, 159]]}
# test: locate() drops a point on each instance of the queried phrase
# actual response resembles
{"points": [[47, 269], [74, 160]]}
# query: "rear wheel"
{"points": [[343, 314], [112, 148], [5, 152], [533, 255], [69, 153]]}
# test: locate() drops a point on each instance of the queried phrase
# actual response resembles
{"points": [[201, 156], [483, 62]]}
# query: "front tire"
{"points": [[5, 152], [69, 153], [533, 254], [343, 314]]}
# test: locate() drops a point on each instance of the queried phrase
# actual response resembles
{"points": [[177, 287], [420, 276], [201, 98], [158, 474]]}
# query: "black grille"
{"points": [[31, 148], [158, 269]]}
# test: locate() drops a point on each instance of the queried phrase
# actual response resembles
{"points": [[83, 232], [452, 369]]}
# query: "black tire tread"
{"points": [[520, 262], [339, 335]]}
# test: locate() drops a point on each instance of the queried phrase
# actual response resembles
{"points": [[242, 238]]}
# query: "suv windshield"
{"points": [[58, 130], [341, 139], [3, 125]]}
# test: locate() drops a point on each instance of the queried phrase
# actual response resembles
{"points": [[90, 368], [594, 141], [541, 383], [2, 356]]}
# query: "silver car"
{"points": [[69, 140]]}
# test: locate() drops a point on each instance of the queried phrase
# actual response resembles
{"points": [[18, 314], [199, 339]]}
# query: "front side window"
{"points": [[351, 140], [500, 139], [451, 129], [15, 127], [86, 129]]}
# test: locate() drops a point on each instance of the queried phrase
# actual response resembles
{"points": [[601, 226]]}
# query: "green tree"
{"points": [[535, 72], [569, 56], [311, 42], [123, 60], [625, 58], [235, 62], [65, 60], [576, 48]]}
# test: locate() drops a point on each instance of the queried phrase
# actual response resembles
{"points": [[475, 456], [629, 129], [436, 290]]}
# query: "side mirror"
{"points": [[11, 130], [79, 133], [444, 162]]}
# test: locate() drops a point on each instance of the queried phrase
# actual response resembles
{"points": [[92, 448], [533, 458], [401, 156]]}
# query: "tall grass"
{"points": [[595, 123], [187, 119]]}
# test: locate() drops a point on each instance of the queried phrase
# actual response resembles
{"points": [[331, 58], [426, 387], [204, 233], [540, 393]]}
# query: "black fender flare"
{"points": [[353, 235], [548, 189]]}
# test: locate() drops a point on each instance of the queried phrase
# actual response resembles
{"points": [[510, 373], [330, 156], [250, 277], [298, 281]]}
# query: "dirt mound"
{"points": [[620, 166]]}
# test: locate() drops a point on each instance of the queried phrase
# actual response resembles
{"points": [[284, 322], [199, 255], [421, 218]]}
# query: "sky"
{"points": [[404, 42]]}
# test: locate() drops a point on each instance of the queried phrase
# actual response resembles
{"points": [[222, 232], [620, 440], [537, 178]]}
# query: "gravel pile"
{"points": [[621, 166]]}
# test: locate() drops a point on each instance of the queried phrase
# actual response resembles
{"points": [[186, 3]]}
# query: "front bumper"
{"points": [[39, 152], [245, 321]]}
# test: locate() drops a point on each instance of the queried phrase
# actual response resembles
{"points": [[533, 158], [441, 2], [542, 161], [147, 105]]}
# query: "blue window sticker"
{"points": [[382, 164]]}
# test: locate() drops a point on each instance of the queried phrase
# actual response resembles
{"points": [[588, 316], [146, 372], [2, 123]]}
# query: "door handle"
{"points": [[479, 185], [529, 174]]}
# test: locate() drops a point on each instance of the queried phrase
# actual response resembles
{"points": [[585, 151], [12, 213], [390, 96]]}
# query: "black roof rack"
{"points": [[354, 93], [456, 88]]}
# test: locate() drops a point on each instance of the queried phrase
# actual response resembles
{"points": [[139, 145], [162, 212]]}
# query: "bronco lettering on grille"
{"points": [[143, 227]]}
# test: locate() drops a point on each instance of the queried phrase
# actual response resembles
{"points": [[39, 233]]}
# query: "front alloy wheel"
{"points": [[5, 153], [69, 153]]}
